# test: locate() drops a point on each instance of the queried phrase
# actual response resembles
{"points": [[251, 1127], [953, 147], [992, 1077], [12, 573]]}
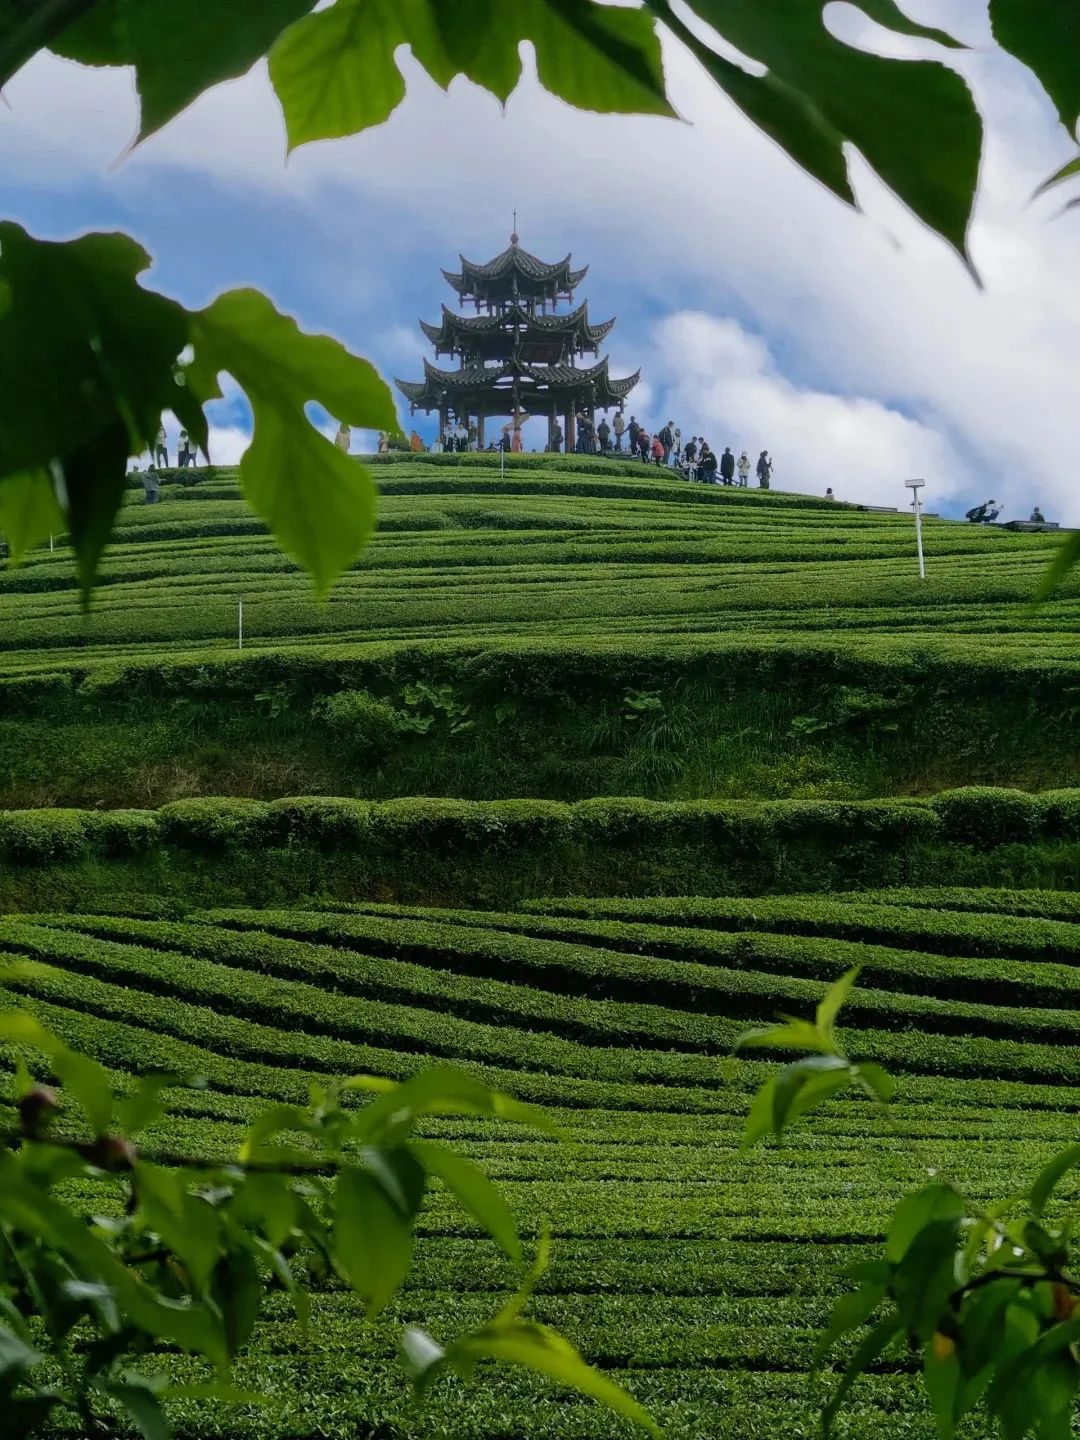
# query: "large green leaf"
{"points": [[374, 1211], [1045, 34], [524, 1342], [914, 121], [28, 511], [319, 503], [475, 1191], [179, 48], [87, 357], [335, 72]]}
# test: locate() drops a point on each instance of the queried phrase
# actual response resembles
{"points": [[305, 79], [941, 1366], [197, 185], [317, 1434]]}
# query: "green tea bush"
{"points": [[368, 725]]}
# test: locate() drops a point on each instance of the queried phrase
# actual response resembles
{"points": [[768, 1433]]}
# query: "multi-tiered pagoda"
{"points": [[518, 355]]}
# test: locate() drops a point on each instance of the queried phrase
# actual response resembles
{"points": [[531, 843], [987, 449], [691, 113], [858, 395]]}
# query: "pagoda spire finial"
{"points": [[513, 233]]}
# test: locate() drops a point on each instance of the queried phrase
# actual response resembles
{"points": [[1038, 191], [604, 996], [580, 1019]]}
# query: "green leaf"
{"points": [[475, 1191], [805, 1084], [1067, 171], [941, 1377], [880, 1081], [524, 1342], [335, 71], [25, 1417], [179, 48], [1067, 556], [319, 503], [868, 1351], [793, 1035], [188, 1224], [29, 511], [143, 1107], [141, 1402], [1045, 35], [915, 122], [850, 1312], [1051, 1176], [237, 1292], [760, 1117], [16, 1357], [87, 355], [374, 1211], [440, 1090], [835, 996], [423, 1356], [931, 1203], [83, 1079]]}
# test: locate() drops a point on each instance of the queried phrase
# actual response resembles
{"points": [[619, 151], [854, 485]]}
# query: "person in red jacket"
{"points": [[657, 449]]}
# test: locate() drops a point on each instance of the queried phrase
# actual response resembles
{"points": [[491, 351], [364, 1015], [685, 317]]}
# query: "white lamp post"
{"points": [[915, 486]]}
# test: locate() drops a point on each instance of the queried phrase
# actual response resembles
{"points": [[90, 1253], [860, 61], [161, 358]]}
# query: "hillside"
{"points": [[579, 772], [698, 1276], [569, 629]]}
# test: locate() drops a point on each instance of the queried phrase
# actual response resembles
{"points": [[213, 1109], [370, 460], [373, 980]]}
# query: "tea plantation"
{"points": [[551, 632], [579, 772]]}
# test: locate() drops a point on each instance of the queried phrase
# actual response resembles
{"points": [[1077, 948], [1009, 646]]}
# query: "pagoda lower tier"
{"points": [[552, 391]]}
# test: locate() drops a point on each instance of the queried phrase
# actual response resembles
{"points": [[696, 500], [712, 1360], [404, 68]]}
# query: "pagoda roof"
{"points": [[533, 275], [459, 331], [479, 383]]}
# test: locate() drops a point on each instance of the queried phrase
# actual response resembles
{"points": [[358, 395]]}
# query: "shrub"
{"points": [[982, 816], [42, 836], [368, 725], [211, 824]]}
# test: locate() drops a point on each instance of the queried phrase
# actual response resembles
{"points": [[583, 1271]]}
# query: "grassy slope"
{"points": [[697, 1275], [790, 651], [607, 632]]}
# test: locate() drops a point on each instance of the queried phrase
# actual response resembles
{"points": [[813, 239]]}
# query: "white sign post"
{"points": [[915, 486]]}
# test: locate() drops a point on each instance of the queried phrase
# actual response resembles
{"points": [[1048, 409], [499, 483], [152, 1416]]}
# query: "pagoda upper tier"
{"points": [[514, 331], [514, 276]]}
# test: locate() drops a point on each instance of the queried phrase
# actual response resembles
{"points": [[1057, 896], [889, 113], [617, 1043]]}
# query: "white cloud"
{"points": [[723, 383]]}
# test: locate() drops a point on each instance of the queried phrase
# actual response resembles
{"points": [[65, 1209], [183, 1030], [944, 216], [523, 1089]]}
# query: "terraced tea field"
{"points": [[465, 556], [569, 629], [743, 694], [698, 1276]]}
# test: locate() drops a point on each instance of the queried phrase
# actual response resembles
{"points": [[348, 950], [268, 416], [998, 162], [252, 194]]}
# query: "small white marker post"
{"points": [[915, 486], [240, 624], [51, 542]]}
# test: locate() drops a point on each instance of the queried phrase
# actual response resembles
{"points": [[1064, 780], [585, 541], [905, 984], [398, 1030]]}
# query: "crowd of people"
{"points": [[695, 460]]}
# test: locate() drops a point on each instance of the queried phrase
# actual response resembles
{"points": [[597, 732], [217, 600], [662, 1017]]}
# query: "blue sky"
{"points": [[762, 312]]}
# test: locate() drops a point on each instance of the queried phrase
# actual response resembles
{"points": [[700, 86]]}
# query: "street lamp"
{"points": [[915, 486]]}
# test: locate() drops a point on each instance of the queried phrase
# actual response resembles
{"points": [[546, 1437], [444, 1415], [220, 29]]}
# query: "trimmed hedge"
{"points": [[493, 854], [981, 817]]}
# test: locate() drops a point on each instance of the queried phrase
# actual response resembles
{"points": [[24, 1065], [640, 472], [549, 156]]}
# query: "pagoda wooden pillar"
{"points": [[480, 431], [571, 439]]}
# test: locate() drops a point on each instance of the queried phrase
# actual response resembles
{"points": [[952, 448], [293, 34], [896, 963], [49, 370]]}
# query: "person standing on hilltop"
{"points": [[727, 466], [690, 458], [415, 443], [666, 436], [343, 438], [744, 469], [619, 426], [632, 431], [603, 434], [161, 447], [764, 469]]}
